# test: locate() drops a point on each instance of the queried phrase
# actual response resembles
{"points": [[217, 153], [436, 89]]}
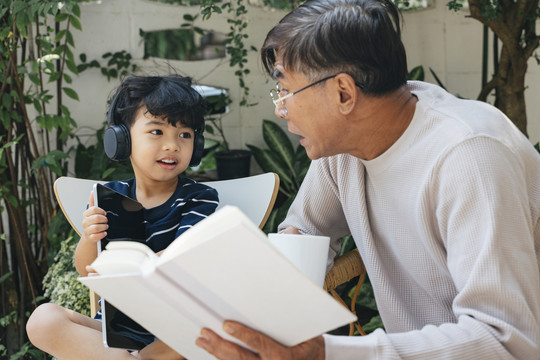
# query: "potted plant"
{"points": [[230, 163]]}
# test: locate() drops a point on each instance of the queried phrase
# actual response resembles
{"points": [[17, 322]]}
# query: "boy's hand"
{"points": [[94, 222], [90, 271]]}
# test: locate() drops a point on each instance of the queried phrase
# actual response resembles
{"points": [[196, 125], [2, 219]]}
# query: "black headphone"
{"points": [[117, 141]]}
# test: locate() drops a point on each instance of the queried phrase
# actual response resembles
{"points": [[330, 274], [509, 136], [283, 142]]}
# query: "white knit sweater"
{"points": [[446, 221]]}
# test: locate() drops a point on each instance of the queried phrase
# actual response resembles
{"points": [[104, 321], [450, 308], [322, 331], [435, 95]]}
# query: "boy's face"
{"points": [[159, 151]]}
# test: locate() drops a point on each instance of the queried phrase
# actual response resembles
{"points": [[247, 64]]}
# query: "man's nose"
{"points": [[280, 112]]}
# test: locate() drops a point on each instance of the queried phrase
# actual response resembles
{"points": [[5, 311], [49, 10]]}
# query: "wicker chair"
{"points": [[347, 267]]}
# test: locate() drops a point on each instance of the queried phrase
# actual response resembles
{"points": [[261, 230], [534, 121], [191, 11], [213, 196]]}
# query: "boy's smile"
{"points": [[168, 163]]}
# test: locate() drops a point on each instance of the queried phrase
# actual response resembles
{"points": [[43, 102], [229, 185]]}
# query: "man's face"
{"points": [[309, 112]]}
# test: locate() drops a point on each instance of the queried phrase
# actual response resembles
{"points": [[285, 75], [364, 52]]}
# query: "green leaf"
{"points": [[71, 93], [76, 10], [6, 101], [347, 244], [279, 214], [17, 6], [373, 324], [60, 35], [270, 162], [279, 143], [271, 226], [68, 78], [61, 17], [107, 172], [13, 200], [69, 39], [4, 32], [69, 54], [55, 76], [209, 129], [75, 22], [12, 142], [365, 297], [22, 22], [65, 110], [5, 276], [37, 106], [72, 67], [416, 74], [302, 162]]}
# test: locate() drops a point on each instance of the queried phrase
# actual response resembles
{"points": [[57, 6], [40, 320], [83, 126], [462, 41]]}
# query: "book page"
{"points": [[161, 310], [224, 268], [238, 274], [125, 257], [222, 220]]}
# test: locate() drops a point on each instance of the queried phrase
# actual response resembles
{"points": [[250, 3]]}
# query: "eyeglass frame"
{"points": [[282, 99]]}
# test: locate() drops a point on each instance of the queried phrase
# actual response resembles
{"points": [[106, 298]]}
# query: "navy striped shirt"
{"points": [[190, 203]]}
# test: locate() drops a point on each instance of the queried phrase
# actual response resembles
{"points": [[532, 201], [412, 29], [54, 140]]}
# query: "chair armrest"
{"points": [[345, 268]]}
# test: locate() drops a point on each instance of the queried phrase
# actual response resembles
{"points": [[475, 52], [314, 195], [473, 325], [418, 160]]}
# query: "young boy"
{"points": [[156, 122]]}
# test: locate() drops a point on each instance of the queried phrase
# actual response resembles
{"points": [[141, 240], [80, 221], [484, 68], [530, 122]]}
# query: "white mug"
{"points": [[309, 253]]}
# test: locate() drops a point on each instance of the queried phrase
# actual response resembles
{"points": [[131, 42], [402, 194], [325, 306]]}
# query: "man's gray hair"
{"points": [[324, 37]]}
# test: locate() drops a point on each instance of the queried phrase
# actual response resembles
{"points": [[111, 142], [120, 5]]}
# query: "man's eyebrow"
{"points": [[277, 74]]}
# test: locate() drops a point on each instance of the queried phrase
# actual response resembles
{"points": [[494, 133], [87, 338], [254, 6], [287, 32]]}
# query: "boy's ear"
{"points": [[348, 93]]}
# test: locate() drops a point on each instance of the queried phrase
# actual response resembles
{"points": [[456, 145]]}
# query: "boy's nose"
{"points": [[171, 145]]}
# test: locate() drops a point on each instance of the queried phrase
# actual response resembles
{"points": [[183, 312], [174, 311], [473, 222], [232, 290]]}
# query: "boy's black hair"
{"points": [[170, 97]]}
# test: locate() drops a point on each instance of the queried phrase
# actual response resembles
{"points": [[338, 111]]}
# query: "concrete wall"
{"points": [[447, 42], [113, 25], [451, 44]]}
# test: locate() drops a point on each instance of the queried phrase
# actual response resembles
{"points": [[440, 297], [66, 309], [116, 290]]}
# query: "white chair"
{"points": [[254, 195]]}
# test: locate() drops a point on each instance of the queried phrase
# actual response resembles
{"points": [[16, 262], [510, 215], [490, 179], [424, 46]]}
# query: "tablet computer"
{"points": [[125, 218]]}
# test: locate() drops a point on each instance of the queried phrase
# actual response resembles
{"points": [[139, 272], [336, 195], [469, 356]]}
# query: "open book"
{"points": [[223, 268]]}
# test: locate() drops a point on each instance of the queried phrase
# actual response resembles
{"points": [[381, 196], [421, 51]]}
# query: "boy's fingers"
{"points": [[91, 199], [90, 271]]}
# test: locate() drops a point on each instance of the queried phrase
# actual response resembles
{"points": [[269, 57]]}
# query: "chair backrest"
{"points": [[254, 195]]}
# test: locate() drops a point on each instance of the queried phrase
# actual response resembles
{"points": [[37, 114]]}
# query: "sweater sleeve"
{"points": [[482, 194], [317, 209]]}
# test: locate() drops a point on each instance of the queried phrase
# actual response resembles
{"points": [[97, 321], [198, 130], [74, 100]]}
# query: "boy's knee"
{"points": [[42, 322]]}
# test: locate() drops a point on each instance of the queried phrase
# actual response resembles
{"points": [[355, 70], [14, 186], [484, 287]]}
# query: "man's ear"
{"points": [[348, 93]]}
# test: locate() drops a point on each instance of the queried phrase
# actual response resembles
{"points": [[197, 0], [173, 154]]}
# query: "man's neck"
{"points": [[383, 120]]}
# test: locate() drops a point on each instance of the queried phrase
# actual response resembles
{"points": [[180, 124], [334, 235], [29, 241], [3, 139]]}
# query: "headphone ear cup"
{"points": [[117, 142], [198, 149]]}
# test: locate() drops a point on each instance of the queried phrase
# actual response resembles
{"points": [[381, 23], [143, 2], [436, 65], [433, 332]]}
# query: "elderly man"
{"points": [[441, 195]]}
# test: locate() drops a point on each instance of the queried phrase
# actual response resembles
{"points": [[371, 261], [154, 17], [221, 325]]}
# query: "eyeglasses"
{"points": [[279, 95]]}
